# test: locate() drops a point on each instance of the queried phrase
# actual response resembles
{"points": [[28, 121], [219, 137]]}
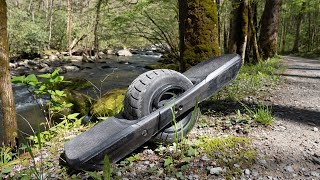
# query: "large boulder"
{"points": [[109, 104], [124, 52]]}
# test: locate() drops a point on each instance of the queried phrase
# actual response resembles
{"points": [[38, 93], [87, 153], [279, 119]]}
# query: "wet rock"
{"points": [[71, 68], [105, 67]]}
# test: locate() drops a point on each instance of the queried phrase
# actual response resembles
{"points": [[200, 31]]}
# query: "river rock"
{"points": [[71, 68], [76, 58], [53, 57], [12, 65], [124, 52]]}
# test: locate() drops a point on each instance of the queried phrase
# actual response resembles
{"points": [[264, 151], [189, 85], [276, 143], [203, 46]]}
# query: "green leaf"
{"points": [[47, 76], [179, 175], [168, 161], [106, 168], [6, 170], [18, 79], [32, 78], [60, 93], [191, 152], [73, 116], [55, 73]]}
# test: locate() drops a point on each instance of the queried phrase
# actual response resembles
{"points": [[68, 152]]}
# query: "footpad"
{"points": [[90, 144]]}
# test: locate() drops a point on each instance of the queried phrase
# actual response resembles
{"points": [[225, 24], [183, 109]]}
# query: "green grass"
{"points": [[252, 80], [263, 115]]}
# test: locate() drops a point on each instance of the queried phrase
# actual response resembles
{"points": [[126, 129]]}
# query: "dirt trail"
{"points": [[291, 149]]}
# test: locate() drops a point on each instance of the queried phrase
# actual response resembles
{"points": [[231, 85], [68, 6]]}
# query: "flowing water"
{"points": [[115, 72]]}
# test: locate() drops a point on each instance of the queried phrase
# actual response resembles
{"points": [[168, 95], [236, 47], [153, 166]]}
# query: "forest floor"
{"points": [[291, 148]]}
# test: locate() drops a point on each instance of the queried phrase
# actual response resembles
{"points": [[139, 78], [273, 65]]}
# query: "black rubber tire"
{"points": [[152, 90]]}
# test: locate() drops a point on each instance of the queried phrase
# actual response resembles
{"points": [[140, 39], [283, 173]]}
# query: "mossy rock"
{"points": [[110, 104], [75, 84]]}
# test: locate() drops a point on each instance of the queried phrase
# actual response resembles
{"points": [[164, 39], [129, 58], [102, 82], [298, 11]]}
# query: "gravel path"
{"points": [[291, 149]]}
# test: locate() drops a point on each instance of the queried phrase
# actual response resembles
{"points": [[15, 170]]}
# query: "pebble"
{"points": [[263, 162], [205, 158], [247, 172], [289, 169], [315, 129], [255, 173], [216, 170], [315, 174]]}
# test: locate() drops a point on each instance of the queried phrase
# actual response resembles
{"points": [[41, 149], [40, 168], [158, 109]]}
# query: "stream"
{"points": [[113, 72]]}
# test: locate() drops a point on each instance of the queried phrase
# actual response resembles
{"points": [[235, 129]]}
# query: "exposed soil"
{"points": [[291, 149]]}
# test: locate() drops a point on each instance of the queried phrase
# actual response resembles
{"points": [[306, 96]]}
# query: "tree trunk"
{"points": [[50, 22], [95, 31], [69, 25], [198, 23], [7, 101], [298, 28], [253, 28], [239, 28], [268, 40], [225, 38]]}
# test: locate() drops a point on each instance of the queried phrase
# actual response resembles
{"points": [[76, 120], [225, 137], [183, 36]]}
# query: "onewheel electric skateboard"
{"points": [[153, 100]]}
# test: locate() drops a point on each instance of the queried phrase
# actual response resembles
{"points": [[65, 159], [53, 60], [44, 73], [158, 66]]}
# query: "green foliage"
{"points": [[48, 86], [68, 122], [261, 114], [252, 79], [168, 161], [24, 34], [7, 160]]}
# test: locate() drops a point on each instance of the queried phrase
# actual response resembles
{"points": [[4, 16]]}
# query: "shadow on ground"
{"points": [[288, 113]]}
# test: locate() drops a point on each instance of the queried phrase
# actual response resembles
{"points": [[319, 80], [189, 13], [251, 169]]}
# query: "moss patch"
{"points": [[229, 151], [110, 104], [201, 33]]}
